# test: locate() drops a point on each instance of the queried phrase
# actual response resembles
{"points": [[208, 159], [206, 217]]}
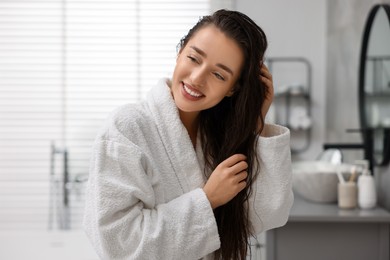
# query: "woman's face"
{"points": [[206, 71]]}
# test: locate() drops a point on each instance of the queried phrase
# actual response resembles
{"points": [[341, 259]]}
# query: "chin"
{"points": [[186, 108]]}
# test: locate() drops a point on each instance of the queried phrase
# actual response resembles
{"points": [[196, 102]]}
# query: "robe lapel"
{"points": [[176, 140]]}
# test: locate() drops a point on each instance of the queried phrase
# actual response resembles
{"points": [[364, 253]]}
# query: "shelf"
{"points": [[384, 94], [293, 98], [292, 94]]}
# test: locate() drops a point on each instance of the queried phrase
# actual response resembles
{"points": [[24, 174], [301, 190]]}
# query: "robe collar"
{"points": [[188, 164]]}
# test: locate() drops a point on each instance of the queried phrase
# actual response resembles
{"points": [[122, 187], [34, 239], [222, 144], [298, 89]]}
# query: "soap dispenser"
{"points": [[366, 189]]}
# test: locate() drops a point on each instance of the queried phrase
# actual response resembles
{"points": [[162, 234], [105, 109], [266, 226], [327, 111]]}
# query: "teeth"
{"points": [[192, 93]]}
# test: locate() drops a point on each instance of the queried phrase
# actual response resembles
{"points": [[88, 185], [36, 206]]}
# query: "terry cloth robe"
{"points": [[144, 194]]}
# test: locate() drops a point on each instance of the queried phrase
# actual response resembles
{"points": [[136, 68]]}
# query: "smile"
{"points": [[190, 91]]}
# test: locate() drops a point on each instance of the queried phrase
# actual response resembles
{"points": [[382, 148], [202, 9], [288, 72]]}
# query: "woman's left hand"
{"points": [[266, 78]]}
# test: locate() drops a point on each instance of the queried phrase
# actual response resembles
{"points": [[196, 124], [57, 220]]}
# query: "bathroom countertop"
{"points": [[323, 231], [306, 211]]}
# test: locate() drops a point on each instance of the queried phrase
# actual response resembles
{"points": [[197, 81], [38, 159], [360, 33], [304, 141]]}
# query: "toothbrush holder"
{"points": [[347, 195]]}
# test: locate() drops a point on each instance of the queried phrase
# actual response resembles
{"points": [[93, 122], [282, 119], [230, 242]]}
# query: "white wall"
{"points": [[346, 21], [297, 28]]}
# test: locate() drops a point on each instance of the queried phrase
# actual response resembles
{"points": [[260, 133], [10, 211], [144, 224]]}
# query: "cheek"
{"points": [[220, 95], [229, 91], [180, 63], [178, 73]]}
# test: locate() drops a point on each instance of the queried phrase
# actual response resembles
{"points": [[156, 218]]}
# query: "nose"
{"points": [[199, 76]]}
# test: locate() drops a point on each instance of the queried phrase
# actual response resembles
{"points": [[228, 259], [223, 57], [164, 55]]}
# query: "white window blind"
{"points": [[64, 65]]}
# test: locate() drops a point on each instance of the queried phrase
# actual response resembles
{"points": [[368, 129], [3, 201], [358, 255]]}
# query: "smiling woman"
{"points": [[191, 172]]}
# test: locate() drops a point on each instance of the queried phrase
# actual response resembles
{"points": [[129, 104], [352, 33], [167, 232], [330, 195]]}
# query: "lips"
{"points": [[191, 92]]}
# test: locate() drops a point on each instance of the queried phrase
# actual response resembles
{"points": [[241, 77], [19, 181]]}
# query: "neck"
{"points": [[190, 121]]}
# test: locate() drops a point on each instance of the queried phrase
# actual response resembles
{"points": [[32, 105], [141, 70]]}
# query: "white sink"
{"points": [[317, 180]]}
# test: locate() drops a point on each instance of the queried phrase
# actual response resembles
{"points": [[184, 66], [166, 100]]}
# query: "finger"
{"points": [[266, 81], [264, 68], [232, 160], [239, 167], [264, 71], [241, 186], [241, 176], [268, 86]]}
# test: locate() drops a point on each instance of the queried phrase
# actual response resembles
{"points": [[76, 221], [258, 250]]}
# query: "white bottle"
{"points": [[366, 190]]}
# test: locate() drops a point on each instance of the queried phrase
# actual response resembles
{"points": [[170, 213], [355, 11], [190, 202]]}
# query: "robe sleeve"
{"points": [[272, 196], [123, 221]]}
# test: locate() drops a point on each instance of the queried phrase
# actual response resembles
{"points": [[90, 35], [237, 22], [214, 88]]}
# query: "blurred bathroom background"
{"points": [[65, 64]]}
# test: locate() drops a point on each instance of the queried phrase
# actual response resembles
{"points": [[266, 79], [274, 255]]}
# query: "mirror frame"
{"points": [[361, 82]]}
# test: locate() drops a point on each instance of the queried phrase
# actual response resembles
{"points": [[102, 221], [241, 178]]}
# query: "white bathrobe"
{"points": [[145, 198]]}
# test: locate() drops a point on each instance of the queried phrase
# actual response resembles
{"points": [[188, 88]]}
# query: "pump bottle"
{"points": [[366, 190]]}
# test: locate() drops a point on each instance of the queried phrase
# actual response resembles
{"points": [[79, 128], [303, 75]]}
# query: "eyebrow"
{"points": [[203, 54]]}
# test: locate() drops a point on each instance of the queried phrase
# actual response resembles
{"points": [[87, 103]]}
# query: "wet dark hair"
{"points": [[231, 126]]}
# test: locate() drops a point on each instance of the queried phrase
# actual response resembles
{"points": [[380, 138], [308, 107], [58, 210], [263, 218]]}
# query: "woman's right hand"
{"points": [[227, 180]]}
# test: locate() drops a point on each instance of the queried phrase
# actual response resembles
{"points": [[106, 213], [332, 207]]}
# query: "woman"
{"points": [[193, 171]]}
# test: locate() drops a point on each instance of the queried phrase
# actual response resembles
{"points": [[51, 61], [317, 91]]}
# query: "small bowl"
{"points": [[317, 180]]}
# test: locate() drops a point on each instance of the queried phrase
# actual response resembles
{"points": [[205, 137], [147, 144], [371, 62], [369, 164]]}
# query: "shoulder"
{"points": [[126, 122], [130, 115], [137, 122]]}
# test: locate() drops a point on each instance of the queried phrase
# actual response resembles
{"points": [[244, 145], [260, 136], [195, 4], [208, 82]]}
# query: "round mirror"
{"points": [[374, 82]]}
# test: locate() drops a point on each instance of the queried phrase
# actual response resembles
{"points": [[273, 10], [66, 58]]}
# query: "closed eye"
{"points": [[193, 59], [219, 76]]}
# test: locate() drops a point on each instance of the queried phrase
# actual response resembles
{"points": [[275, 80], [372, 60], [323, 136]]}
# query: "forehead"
{"points": [[218, 47]]}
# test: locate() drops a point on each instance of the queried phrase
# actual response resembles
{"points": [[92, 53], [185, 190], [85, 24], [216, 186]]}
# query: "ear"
{"points": [[232, 90], [230, 93]]}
